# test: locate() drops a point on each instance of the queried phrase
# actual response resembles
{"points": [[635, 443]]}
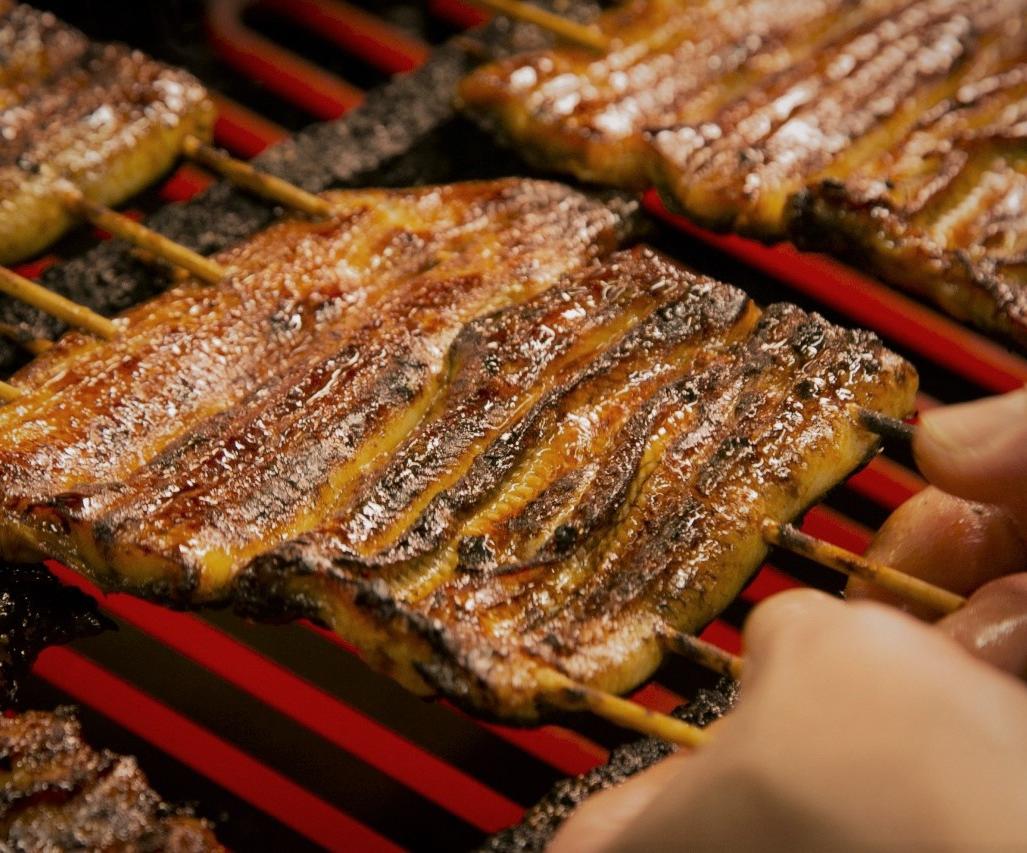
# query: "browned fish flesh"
{"points": [[503, 448], [608, 503], [731, 108], [944, 211], [355, 313], [825, 117], [106, 118], [57, 793], [673, 62]]}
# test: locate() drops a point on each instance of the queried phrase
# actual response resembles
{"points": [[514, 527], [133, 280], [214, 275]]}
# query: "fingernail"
{"points": [[980, 425]]}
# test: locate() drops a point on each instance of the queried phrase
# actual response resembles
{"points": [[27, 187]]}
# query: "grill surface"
{"points": [[280, 734]]}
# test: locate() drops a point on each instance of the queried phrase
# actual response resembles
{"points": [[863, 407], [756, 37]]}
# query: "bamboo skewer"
{"points": [[703, 653], [36, 346], [566, 30], [568, 694], [8, 393], [56, 305], [260, 183], [145, 238], [885, 426], [912, 589]]}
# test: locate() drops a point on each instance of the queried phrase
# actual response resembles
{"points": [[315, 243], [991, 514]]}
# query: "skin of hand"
{"points": [[970, 526], [772, 779], [859, 728]]}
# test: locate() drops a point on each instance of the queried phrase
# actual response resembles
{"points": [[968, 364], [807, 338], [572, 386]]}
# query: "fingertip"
{"points": [[975, 450], [992, 626], [776, 616]]}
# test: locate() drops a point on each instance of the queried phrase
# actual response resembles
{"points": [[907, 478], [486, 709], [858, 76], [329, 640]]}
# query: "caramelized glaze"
{"points": [[106, 118], [944, 211], [333, 332], [455, 424]]}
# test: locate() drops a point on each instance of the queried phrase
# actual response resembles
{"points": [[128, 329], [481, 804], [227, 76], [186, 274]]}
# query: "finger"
{"points": [[773, 623], [602, 817], [993, 624], [954, 543], [978, 451]]}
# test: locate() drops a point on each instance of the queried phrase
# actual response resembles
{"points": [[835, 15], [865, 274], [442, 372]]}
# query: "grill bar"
{"points": [[198, 748], [335, 722]]}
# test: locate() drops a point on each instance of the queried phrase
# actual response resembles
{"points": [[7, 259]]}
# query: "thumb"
{"points": [[978, 451], [785, 625]]}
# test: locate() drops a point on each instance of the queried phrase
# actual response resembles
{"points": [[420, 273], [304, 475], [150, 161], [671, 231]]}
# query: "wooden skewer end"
{"points": [[885, 426], [568, 694], [8, 393], [909, 588]]}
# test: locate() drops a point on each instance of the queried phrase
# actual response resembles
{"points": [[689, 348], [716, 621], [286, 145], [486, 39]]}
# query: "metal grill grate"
{"points": [[280, 733]]}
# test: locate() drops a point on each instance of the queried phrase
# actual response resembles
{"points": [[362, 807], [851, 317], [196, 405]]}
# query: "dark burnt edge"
{"points": [[818, 220], [541, 822], [393, 139], [37, 611]]}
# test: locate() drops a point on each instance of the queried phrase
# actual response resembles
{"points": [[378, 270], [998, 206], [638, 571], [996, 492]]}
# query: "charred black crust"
{"points": [[37, 611], [62, 795], [539, 825]]}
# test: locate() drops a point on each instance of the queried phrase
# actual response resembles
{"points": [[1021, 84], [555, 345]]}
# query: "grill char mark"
{"points": [[104, 117], [941, 213], [239, 479]]}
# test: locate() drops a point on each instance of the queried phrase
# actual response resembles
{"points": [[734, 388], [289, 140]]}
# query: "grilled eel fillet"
{"points": [[351, 314], [104, 117], [534, 453], [944, 211], [826, 116], [730, 108], [674, 62], [57, 793]]}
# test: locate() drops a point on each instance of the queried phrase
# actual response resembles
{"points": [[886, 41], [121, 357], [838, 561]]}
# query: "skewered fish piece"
{"points": [[825, 117], [673, 62], [35, 47], [604, 505], [226, 410], [56, 793], [104, 117], [944, 212], [490, 449]]}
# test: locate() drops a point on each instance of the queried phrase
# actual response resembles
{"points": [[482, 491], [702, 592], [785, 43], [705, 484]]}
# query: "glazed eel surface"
{"points": [[106, 118], [889, 132], [457, 425], [943, 212]]}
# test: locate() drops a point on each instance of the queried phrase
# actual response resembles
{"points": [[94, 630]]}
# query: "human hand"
{"points": [[970, 527], [858, 729]]}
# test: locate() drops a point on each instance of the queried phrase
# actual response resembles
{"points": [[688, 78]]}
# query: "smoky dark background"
{"points": [[177, 31]]}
